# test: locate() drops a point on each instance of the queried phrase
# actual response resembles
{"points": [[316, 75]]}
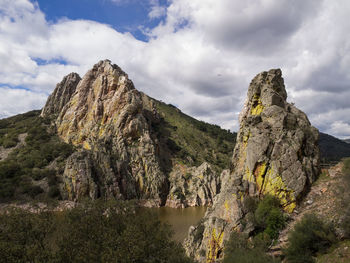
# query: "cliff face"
{"points": [[107, 118], [123, 145], [276, 153]]}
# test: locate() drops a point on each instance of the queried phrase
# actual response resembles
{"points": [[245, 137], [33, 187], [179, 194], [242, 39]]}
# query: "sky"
{"points": [[199, 55]]}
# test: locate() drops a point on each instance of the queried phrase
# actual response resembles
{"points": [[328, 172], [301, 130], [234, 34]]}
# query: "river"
{"points": [[180, 218]]}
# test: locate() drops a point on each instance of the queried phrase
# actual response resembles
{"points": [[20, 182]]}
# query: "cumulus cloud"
{"points": [[14, 101], [200, 57]]}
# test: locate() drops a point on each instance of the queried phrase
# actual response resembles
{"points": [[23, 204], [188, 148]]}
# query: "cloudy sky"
{"points": [[199, 55]]}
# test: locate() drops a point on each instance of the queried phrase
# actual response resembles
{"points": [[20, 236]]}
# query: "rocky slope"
{"points": [[276, 153]]}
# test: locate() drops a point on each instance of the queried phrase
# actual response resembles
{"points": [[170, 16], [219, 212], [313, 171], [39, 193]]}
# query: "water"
{"points": [[180, 219]]}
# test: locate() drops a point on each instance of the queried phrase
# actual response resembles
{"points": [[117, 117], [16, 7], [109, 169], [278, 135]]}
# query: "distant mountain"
{"points": [[347, 140], [332, 148]]}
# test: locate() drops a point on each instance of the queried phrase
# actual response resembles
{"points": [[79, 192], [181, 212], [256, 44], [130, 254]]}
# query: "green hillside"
{"points": [[193, 142]]}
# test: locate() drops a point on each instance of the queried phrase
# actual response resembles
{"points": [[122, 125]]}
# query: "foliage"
{"points": [[310, 236], [41, 147], [92, 232], [265, 216], [345, 224], [192, 141], [268, 216], [238, 249], [346, 167]]}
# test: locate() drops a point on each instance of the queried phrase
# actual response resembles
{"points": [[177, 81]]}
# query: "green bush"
{"points": [[310, 236], [54, 192], [42, 147], [9, 142], [238, 249], [268, 216], [92, 232]]}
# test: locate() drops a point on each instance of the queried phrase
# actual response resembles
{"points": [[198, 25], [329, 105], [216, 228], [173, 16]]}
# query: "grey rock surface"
{"points": [[61, 95], [276, 153]]}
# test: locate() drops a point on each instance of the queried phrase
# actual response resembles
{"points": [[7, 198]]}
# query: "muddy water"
{"points": [[180, 219]]}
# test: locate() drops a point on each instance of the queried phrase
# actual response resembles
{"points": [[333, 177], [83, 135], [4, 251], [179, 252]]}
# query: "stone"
{"points": [[61, 95], [105, 116], [276, 153], [194, 186]]}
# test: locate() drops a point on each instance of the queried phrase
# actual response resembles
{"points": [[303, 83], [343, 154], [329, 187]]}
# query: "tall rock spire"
{"points": [[276, 153]]}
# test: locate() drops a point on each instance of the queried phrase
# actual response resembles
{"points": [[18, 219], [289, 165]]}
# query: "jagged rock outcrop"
{"points": [[61, 95], [123, 144], [106, 116], [276, 153], [194, 186]]}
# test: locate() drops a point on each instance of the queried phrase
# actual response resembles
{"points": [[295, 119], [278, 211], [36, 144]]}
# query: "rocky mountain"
{"points": [[276, 153], [125, 145], [347, 140]]}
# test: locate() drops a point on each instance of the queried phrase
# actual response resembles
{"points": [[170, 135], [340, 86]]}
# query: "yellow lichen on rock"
{"points": [[227, 207], [215, 246], [86, 145], [259, 174], [274, 185], [248, 176], [257, 106]]}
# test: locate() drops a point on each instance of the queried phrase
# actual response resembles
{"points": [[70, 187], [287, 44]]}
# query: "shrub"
{"points": [[310, 236], [268, 216], [239, 249], [54, 192], [92, 232]]}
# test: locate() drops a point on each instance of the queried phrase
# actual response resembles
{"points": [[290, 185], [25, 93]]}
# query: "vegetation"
{"points": [[28, 163], [310, 236], [345, 224], [93, 232], [339, 253], [265, 216], [239, 249], [193, 142]]}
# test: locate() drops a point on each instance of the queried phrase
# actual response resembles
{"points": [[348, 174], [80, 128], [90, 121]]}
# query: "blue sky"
{"points": [[123, 15], [199, 55]]}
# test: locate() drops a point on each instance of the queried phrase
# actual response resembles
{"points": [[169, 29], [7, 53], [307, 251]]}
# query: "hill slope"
{"points": [[333, 149]]}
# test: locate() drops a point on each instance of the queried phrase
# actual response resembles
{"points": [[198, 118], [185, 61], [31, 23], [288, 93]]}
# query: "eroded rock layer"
{"points": [[276, 153]]}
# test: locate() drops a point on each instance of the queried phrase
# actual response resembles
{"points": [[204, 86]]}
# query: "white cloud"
{"points": [[14, 101], [201, 58]]}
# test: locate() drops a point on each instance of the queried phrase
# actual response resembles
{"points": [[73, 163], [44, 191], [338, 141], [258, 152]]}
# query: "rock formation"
{"points": [[61, 95], [194, 186], [106, 117], [119, 153], [276, 153]]}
